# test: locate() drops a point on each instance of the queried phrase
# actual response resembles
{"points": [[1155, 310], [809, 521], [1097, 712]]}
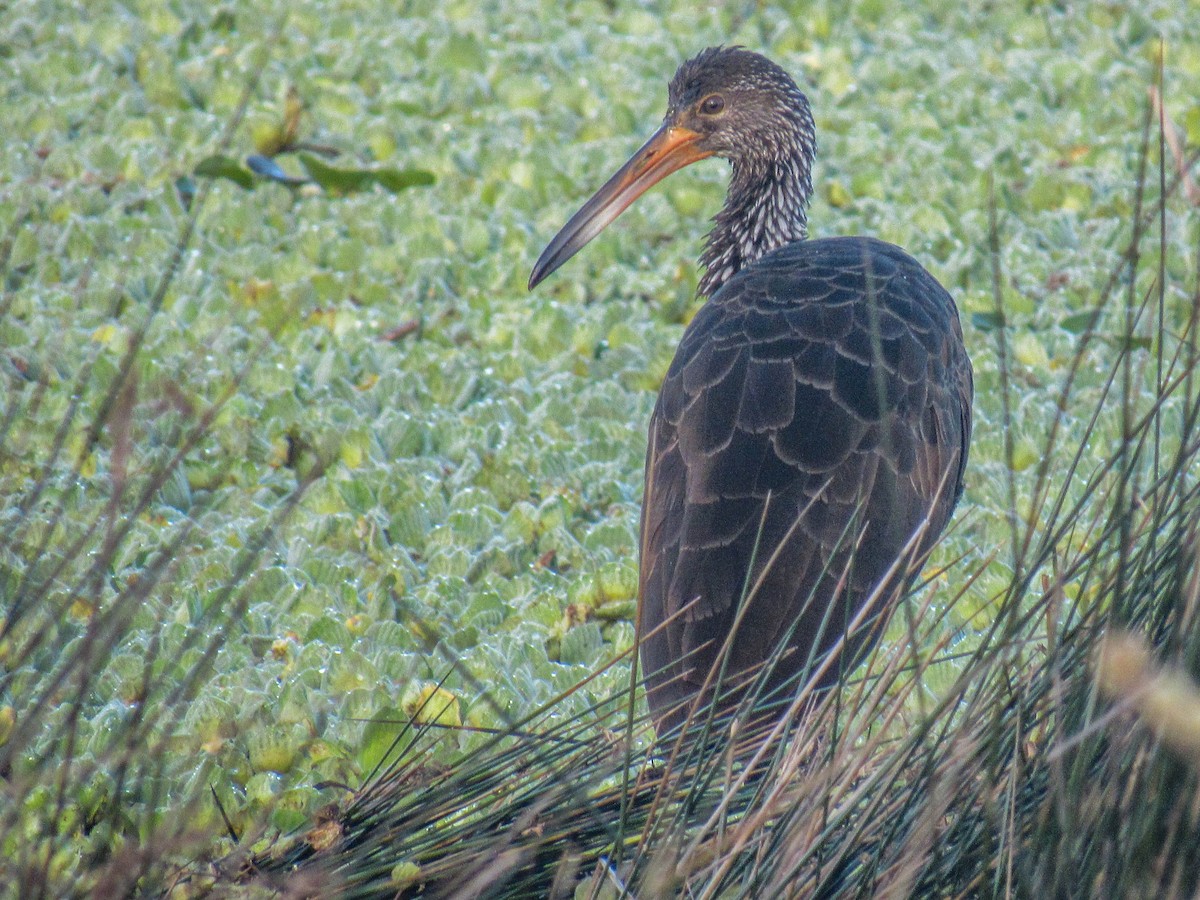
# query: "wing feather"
{"points": [[816, 414]]}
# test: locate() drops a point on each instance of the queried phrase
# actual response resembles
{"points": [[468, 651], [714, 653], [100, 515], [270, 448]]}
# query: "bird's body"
{"points": [[813, 421], [810, 437]]}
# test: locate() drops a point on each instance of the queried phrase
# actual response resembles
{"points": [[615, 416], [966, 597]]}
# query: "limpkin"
{"points": [[809, 440]]}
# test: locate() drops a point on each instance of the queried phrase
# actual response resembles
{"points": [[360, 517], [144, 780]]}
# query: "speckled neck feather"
{"points": [[771, 153]]}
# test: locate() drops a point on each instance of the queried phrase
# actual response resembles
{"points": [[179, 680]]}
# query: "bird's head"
{"points": [[725, 101], [738, 105]]}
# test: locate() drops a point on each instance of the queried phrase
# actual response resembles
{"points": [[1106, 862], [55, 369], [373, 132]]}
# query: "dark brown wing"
{"points": [[815, 418]]}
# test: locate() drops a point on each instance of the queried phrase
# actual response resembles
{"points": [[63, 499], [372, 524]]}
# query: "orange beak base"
{"points": [[668, 150]]}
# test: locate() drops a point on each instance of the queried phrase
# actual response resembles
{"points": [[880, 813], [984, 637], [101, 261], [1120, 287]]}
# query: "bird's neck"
{"points": [[766, 208]]}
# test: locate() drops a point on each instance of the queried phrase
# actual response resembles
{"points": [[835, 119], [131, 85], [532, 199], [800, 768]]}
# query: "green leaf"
{"points": [[342, 181], [379, 740], [396, 180], [219, 166], [329, 631], [581, 644], [988, 321], [1031, 352], [1081, 321], [345, 181]]}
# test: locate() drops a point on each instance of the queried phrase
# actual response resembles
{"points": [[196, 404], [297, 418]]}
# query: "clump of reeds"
{"points": [[85, 772]]}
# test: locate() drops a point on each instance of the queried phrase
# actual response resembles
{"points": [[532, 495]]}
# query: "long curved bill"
{"points": [[668, 150]]}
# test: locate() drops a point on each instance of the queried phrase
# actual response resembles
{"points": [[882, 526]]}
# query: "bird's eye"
{"points": [[712, 104]]}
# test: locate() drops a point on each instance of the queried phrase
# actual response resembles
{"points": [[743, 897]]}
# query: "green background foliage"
{"points": [[478, 448]]}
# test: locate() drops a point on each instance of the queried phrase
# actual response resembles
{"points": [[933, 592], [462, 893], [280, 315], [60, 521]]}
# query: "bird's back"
{"points": [[806, 450]]}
